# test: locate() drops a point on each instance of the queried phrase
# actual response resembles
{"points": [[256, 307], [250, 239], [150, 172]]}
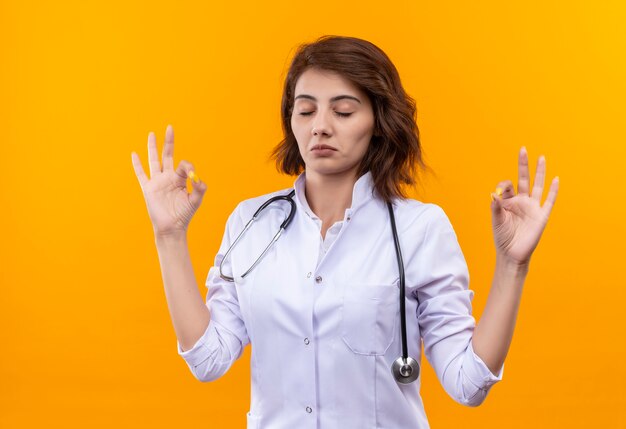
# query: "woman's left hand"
{"points": [[519, 219]]}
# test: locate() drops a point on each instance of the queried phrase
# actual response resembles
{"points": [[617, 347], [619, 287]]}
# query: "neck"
{"points": [[329, 195]]}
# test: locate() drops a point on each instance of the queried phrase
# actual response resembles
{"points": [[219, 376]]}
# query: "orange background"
{"points": [[86, 335]]}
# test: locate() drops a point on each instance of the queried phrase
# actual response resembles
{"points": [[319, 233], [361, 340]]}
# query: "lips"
{"points": [[321, 147]]}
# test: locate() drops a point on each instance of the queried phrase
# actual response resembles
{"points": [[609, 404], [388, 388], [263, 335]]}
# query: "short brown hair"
{"points": [[394, 153]]}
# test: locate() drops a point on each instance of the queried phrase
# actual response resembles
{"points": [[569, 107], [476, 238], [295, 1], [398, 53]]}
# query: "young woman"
{"points": [[337, 308]]}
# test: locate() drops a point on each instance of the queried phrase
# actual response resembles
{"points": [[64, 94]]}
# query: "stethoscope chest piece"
{"points": [[405, 371]]}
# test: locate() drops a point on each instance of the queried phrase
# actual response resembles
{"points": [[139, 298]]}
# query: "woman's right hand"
{"points": [[170, 206]]}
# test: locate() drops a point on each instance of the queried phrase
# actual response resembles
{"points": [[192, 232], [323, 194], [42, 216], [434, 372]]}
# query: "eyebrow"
{"points": [[338, 97]]}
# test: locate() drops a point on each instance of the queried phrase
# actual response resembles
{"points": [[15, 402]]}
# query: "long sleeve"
{"points": [[226, 336], [445, 316]]}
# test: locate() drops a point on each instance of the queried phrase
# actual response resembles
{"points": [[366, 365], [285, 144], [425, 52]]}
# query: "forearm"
{"points": [[494, 332], [189, 313]]}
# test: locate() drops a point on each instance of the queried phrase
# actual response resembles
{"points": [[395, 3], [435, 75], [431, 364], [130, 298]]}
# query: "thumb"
{"points": [[198, 188], [497, 210], [504, 190]]}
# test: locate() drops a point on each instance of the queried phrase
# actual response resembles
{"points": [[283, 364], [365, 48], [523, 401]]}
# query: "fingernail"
{"points": [[492, 197], [499, 192], [193, 176]]}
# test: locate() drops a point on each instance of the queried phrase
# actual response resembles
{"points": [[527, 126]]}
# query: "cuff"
{"points": [[203, 349], [477, 371]]}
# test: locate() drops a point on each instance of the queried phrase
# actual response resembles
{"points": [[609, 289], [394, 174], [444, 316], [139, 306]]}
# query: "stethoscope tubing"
{"points": [[400, 261], [289, 198]]}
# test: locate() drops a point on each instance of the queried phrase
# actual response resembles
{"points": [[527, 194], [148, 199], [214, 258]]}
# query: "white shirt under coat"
{"points": [[323, 315]]}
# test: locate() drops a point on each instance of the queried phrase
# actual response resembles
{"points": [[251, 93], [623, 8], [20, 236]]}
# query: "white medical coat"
{"points": [[323, 316]]}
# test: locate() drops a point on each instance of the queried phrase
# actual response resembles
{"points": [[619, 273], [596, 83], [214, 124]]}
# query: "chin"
{"points": [[329, 170]]}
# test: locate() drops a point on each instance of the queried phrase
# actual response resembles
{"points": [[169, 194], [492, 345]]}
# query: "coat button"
{"points": [[306, 341], [318, 279], [309, 409]]}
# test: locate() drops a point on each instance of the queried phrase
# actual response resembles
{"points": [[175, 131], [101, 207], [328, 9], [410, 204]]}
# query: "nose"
{"points": [[320, 125]]}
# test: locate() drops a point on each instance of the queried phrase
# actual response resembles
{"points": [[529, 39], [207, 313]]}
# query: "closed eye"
{"points": [[342, 114]]}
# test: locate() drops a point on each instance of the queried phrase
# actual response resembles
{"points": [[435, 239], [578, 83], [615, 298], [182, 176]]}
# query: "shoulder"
{"points": [[249, 206], [431, 232], [411, 214]]}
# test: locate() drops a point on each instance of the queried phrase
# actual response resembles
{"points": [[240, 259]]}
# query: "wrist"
{"points": [[512, 266], [170, 236]]}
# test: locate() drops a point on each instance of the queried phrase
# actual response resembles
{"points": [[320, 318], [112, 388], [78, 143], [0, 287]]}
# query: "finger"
{"points": [[523, 176], [197, 192], [198, 188], [497, 209], [552, 193], [153, 155], [168, 149], [504, 189], [540, 175], [184, 167], [141, 175]]}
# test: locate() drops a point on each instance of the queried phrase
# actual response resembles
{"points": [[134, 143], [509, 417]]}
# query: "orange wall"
{"points": [[86, 335]]}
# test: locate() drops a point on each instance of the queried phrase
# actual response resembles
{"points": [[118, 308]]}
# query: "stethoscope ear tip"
{"points": [[405, 371]]}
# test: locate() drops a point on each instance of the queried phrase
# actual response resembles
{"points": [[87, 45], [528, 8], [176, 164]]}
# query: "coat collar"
{"points": [[362, 192]]}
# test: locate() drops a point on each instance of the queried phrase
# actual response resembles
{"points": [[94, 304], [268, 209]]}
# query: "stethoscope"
{"points": [[405, 369]]}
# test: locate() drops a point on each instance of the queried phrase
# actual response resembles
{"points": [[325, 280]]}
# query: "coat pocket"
{"points": [[369, 317]]}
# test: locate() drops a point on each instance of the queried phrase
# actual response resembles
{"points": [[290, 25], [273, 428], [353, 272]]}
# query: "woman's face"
{"points": [[332, 121]]}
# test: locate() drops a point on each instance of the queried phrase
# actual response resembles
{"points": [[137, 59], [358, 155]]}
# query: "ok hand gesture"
{"points": [[518, 220], [170, 206]]}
